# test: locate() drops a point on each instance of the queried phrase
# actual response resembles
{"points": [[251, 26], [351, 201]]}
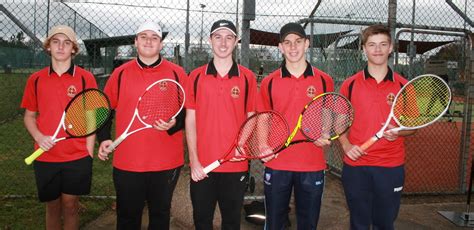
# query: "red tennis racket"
{"points": [[261, 135], [85, 113], [163, 99]]}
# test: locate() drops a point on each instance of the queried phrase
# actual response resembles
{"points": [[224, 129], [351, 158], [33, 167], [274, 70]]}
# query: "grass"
{"points": [[11, 92], [17, 180], [19, 207], [28, 213]]}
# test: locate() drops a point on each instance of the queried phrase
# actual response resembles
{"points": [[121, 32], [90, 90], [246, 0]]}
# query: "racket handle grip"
{"points": [[211, 167], [115, 143], [33, 156], [369, 143]]}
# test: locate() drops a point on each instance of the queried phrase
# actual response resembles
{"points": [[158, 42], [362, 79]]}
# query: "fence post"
{"points": [[466, 127], [248, 15], [392, 24]]}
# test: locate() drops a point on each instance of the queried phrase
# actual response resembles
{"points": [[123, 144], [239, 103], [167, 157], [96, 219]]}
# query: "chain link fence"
{"points": [[430, 37]]}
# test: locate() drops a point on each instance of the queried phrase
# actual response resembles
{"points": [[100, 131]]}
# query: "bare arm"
{"points": [[392, 134], [90, 141], [197, 172], [352, 151], [44, 142]]}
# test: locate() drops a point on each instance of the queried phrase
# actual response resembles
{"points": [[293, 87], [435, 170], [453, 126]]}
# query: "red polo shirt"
{"points": [[148, 149], [287, 94], [372, 103], [221, 105], [48, 94]]}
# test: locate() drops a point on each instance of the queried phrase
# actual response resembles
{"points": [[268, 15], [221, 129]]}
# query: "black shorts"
{"points": [[54, 178]]}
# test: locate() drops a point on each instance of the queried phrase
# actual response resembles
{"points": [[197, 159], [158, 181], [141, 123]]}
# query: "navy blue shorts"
{"points": [[55, 178]]}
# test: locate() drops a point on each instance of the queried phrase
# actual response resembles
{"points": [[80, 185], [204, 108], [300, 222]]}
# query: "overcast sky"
{"points": [[122, 17]]}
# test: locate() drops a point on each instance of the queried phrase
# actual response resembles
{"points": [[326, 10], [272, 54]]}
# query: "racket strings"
{"points": [[87, 112], [422, 102], [327, 117], [162, 101], [262, 135]]}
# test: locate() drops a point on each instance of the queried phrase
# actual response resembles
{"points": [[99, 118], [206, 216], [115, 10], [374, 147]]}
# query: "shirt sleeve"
{"points": [[263, 102], [90, 81], [343, 90], [189, 90], [180, 118], [111, 88], [252, 97], [330, 83]]}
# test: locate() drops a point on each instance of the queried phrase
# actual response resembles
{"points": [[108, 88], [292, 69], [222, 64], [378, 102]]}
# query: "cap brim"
{"points": [[224, 28], [292, 32]]}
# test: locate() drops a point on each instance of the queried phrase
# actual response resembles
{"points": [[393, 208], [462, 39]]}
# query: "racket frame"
{"points": [[136, 114], [234, 145], [29, 160], [401, 127]]}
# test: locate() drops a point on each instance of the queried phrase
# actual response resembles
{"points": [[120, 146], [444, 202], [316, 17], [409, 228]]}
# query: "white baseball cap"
{"points": [[150, 26]]}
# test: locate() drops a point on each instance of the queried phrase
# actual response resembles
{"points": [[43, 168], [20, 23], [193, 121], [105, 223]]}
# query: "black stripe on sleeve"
{"points": [[83, 82], [349, 95], [196, 86], [180, 119], [270, 85], [246, 93], [323, 83], [36, 92], [119, 81]]}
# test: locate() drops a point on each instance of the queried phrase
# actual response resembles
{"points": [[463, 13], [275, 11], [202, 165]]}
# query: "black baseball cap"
{"points": [[224, 24], [292, 28]]}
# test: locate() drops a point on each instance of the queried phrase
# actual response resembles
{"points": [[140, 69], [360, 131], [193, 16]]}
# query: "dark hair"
{"points": [[374, 30]]}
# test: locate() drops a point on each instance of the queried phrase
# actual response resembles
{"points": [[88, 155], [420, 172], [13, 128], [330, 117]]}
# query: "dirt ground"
{"points": [[415, 212]]}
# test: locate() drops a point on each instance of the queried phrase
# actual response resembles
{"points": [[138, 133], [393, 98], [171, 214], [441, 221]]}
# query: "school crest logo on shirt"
{"points": [[390, 98], [235, 92], [311, 91], [163, 85], [71, 91]]}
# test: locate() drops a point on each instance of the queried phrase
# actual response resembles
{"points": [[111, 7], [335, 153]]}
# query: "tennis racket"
{"points": [[419, 103], [86, 113], [327, 116], [163, 99], [261, 135]]}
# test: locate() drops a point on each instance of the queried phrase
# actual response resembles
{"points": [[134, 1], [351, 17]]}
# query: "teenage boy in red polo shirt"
{"points": [[64, 171], [146, 164], [220, 96], [373, 179], [301, 166]]}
